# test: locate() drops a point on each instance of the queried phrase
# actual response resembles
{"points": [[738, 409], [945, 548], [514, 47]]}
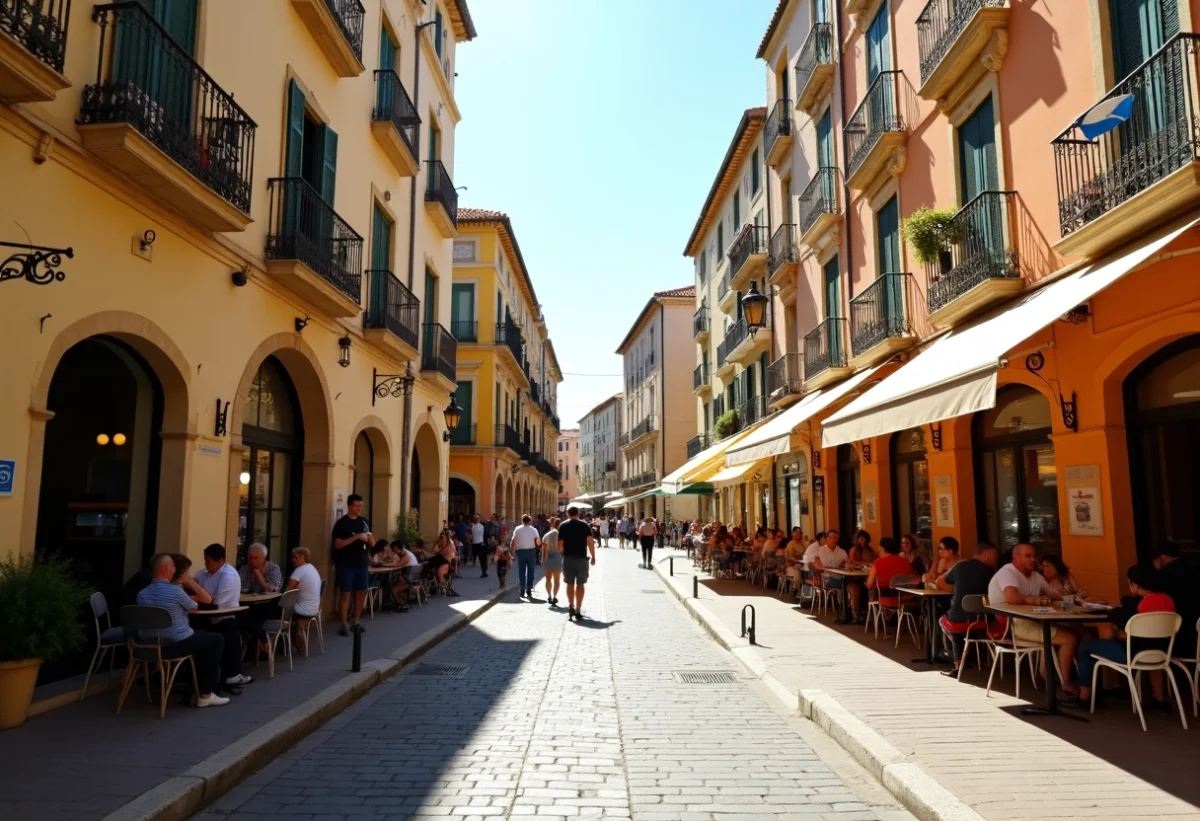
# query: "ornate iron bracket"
{"points": [[1068, 412], [935, 436], [389, 384], [816, 459], [866, 453], [1034, 364], [219, 429], [25, 264]]}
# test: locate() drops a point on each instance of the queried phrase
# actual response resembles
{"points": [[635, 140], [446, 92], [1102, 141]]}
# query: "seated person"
{"points": [[382, 554], [793, 555], [969, 577], [179, 639], [440, 563], [889, 565], [947, 551], [258, 574], [1055, 571], [1180, 581], [861, 553], [224, 586], [307, 580], [913, 549], [830, 556]]}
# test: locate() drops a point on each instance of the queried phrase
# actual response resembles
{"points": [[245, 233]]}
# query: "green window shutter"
{"points": [[977, 153], [887, 231], [825, 140], [833, 300], [437, 32], [329, 142], [387, 51], [1140, 28], [430, 297], [464, 397], [879, 45], [381, 240], [294, 164], [737, 210]]}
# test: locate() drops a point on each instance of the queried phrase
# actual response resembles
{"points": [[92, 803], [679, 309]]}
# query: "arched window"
{"points": [[271, 463], [912, 510], [364, 473]]}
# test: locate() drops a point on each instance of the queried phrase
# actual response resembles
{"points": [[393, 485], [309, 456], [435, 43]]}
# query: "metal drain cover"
{"points": [[426, 668], [705, 677]]}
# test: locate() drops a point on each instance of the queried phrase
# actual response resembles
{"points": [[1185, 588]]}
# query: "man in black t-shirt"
{"points": [[969, 577], [352, 539], [576, 542]]}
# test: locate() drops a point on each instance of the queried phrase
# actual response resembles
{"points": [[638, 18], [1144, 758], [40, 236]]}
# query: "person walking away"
{"points": [[622, 528], [352, 540], [577, 545], [604, 531], [647, 531], [503, 558], [552, 562], [525, 542], [478, 547]]}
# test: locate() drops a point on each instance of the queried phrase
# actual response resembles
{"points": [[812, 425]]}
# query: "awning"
{"points": [[579, 503], [693, 471], [733, 475], [654, 491], [774, 437], [956, 375], [617, 502]]}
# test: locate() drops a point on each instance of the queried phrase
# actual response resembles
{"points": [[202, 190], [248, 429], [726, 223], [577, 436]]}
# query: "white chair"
{"points": [[1010, 645], [1194, 674], [306, 625], [1144, 626], [823, 594], [375, 592], [280, 629], [875, 612], [108, 639], [977, 636]]}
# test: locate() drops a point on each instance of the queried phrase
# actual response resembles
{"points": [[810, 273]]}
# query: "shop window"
{"points": [[269, 481], [850, 510], [912, 510]]}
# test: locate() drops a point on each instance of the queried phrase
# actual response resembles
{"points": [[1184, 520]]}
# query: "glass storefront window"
{"points": [[268, 463], [910, 480]]}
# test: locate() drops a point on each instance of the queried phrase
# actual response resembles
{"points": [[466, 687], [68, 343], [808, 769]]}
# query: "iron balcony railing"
{"points": [[723, 284], [825, 347], [647, 425], [440, 352], [440, 189], [392, 105], [697, 444], [306, 228], [349, 15], [752, 410], [700, 322], [881, 312], [464, 434], [876, 115], [783, 248], [779, 123], [146, 80], [535, 393], [1162, 136], [752, 239], [624, 439], [736, 334], [816, 51], [507, 437], [939, 25], [784, 377], [819, 197], [465, 330], [982, 249], [699, 377], [40, 26], [610, 467], [391, 306], [508, 334]]}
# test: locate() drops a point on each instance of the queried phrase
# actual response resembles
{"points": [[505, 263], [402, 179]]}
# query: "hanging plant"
{"points": [[930, 232], [726, 424]]}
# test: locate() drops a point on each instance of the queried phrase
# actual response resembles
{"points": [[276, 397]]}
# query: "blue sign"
{"points": [[8, 473]]}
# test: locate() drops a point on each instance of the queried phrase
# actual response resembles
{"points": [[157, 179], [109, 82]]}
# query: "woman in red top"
{"points": [[884, 568]]}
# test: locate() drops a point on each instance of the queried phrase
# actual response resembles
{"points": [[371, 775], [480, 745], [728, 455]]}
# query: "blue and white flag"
{"points": [[1105, 115]]}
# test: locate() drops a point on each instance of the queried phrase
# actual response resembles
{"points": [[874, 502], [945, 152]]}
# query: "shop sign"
{"points": [[339, 503], [210, 450], [1085, 514], [869, 502], [943, 501], [8, 476]]}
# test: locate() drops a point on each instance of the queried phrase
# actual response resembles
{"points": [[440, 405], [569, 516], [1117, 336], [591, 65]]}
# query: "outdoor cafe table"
{"points": [[257, 598], [1047, 620], [389, 569], [221, 611], [846, 574], [929, 599]]}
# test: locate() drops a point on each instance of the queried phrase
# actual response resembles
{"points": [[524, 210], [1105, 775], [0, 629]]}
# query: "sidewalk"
{"points": [[82, 762], [922, 733]]}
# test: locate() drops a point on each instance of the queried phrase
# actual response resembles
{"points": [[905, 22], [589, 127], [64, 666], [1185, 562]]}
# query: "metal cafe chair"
{"points": [[306, 625], [146, 657], [108, 639], [977, 631], [280, 629], [1144, 626], [1194, 673]]}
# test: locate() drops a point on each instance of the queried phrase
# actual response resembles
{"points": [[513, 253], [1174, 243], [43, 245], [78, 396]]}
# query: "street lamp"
{"points": [[344, 352], [453, 415], [754, 309]]}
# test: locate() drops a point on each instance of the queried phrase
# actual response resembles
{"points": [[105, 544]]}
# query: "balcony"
{"points": [[825, 354], [505, 436], [640, 431], [535, 393], [1138, 176], [958, 44], [777, 132], [697, 444], [439, 356], [783, 258], [463, 435], [337, 26], [815, 68], [875, 134], [733, 336], [726, 296], [881, 320], [700, 325], [785, 381], [155, 116], [820, 211], [748, 256], [744, 346], [441, 200], [396, 124], [465, 330], [311, 250], [982, 267], [644, 479], [751, 411], [701, 382], [393, 317], [33, 46]]}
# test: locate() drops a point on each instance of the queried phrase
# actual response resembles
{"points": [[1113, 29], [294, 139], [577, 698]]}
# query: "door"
{"points": [[1140, 28], [462, 312], [385, 87], [151, 63], [879, 45], [850, 514], [381, 241], [434, 147], [887, 234], [833, 311], [464, 396], [984, 225], [825, 159], [430, 355]]}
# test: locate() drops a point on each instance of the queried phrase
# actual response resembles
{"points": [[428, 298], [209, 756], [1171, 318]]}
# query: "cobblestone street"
{"points": [[559, 720]]}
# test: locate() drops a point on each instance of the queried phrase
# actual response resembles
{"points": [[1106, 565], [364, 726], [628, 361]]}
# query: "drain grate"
{"points": [[704, 677], [426, 668], [655, 592]]}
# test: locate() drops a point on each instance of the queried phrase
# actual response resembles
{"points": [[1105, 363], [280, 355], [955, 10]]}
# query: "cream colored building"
{"points": [[568, 464], [251, 321], [600, 432]]}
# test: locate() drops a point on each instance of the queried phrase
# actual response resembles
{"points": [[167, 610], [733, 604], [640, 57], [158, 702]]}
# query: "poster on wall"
{"points": [[869, 503], [339, 503], [943, 501], [1085, 514]]}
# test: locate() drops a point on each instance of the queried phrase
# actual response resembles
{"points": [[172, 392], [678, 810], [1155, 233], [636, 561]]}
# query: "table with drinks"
{"points": [[846, 574], [928, 593]]}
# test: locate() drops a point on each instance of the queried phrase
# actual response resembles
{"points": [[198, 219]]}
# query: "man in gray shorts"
{"points": [[577, 545]]}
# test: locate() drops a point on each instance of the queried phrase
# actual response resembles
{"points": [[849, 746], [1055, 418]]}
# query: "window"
{"points": [[311, 150], [737, 210], [755, 174], [438, 34], [721, 236]]}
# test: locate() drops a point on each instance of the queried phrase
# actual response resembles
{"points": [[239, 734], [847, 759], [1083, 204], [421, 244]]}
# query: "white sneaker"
{"points": [[211, 700], [239, 680]]}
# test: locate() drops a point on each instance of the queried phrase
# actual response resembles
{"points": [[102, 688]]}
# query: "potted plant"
{"points": [[930, 232], [406, 532], [39, 619], [726, 424]]}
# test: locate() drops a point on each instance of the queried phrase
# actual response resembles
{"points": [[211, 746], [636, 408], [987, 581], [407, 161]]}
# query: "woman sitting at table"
{"points": [[1056, 572], [862, 553], [912, 548], [889, 565], [947, 558]]}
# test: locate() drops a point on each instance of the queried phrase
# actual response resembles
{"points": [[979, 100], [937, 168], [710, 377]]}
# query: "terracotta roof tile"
{"points": [[688, 292], [680, 293], [776, 18], [480, 214], [748, 128]]}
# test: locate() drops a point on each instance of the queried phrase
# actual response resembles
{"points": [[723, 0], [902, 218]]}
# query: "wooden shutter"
{"points": [[381, 240], [887, 231], [294, 162], [329, 141]]}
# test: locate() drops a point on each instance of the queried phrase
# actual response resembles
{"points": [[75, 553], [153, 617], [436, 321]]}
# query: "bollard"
{"points": [[695, 587], [753, 622], [356, 660], [672, 560]]}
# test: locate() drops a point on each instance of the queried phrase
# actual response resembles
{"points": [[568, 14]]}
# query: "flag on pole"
{"points": [[1105, 115]]}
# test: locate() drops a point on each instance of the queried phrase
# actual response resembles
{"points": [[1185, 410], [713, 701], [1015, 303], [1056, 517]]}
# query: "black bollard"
{"points": [[356, 660], [695, 587], [753, 622], [672, 565]]}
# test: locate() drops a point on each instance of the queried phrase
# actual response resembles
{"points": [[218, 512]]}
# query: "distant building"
{"points": [[568, 465], [600, 430]]}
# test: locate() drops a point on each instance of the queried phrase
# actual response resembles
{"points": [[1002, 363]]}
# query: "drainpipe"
{"points": [[845, 165]]}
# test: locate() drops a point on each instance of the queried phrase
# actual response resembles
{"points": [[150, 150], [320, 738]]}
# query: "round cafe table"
{"points": [[222, 611], [257, 598]]}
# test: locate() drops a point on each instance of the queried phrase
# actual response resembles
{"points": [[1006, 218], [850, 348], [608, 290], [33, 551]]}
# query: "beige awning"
{"points": [[694, 469], [956, 375], [734, 475]]}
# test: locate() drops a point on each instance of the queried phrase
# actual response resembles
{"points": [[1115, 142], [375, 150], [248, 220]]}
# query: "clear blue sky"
{"points": [[598, 126]]}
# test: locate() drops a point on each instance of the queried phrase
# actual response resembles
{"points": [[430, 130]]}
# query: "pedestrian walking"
{"points": [[552, 561], [577, 545], [525, 542], [503, 558], [604, 530], [648, 530], [478, 544], [622, 529]]}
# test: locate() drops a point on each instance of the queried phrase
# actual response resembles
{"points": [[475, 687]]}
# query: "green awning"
{"points": [[698, 489]]}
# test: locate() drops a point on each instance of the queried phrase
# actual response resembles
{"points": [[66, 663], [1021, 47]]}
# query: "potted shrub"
{"points": [[406, 531], [930, 232], [726, 424], [39, 619]]}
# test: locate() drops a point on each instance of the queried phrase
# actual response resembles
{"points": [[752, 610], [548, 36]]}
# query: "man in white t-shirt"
{"points": [[604, 530], [525, 542], [307, 580]]}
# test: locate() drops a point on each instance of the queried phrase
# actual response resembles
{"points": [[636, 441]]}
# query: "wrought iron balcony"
{"points": [[535, 393], [783, 255], [700, 378], [305, 229], [777, 132], [736, 334], [508, 334], [349, 15], [395, 123], [148, 83], [951, 34], [38, 27], [465, 330], [982, 264], [506, 437], [440, 351], [700, 324], [876, 124], [747, 253], [697, 444], [648, 477], [879, 317], [643, 428], [441, 200], [624, 440], [784, 378], [392, 307], [819, 204], [1097, 178], [725, 294], [825, 349], [464, 434], [814, 66], [337, 28], [752, 410]]}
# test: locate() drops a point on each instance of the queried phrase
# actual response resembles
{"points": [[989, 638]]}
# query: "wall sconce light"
{"points": [[147, 240], [301, 324], [244, 477], [344, 352], [453, 415], [754, 309]]}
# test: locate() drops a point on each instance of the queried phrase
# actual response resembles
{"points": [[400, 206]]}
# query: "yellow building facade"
{"points": [[229, 279], [502, 452]]}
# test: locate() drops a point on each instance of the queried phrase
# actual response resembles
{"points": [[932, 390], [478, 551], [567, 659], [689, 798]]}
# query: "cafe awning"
{"points": [[956, 375], [774, 436], [617, 502], [694, 470], [735, 474]]}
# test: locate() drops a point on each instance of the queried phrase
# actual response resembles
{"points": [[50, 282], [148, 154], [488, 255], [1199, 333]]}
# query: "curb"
{"points": [[182, 796], [915, 789]]}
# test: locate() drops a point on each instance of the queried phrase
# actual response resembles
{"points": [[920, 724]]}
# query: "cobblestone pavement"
{"points": [[556, 720]]}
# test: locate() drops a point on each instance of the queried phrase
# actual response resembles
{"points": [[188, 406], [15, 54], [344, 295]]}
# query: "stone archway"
{"points": [[498, 497], [377, 475], [427, 481]]}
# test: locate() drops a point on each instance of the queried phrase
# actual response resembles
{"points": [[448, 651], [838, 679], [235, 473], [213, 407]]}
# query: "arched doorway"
{"points": [[850, 512], [1016, 479], [462, 499], [363, 473], [912, 511], [796, 494], [427, 482], [371, 473], [270, 477], [1162, 417], [498, 497]]}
